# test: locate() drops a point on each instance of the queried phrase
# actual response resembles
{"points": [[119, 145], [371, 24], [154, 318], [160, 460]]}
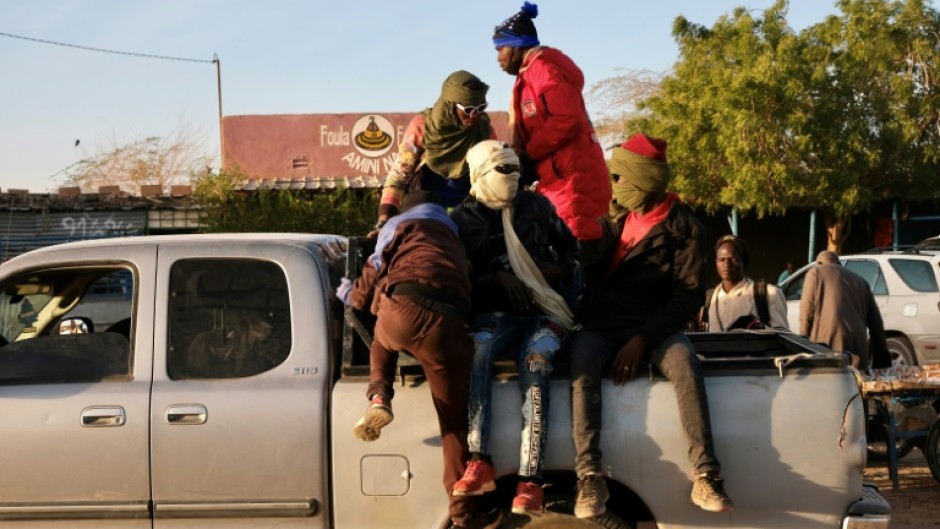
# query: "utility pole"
{"points": [[218, 82]]}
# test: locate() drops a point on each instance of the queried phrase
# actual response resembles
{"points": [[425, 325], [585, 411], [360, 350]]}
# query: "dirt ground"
{"points": [[917, 502]]}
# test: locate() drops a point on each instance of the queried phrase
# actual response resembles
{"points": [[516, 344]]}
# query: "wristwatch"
{"points": [[379, 224]]}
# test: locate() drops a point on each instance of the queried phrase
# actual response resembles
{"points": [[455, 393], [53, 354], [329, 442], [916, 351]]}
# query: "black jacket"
{"points": [[543, 234], [659, 285]]}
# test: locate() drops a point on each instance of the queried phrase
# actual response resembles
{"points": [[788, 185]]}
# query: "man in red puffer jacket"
{"points": [[551, 129]]}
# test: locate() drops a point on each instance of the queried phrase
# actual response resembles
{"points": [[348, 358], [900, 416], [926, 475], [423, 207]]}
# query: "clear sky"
{"points": [[284, 57]]}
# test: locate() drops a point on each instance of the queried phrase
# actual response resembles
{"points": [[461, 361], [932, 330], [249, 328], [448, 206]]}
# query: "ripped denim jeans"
{"points": [[533, 341]]}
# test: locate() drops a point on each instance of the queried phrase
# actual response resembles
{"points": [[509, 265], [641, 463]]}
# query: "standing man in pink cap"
{"points": [[551, 130]]}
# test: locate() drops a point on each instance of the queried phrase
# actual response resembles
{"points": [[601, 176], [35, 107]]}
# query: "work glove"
{"points": [[342, 291]]}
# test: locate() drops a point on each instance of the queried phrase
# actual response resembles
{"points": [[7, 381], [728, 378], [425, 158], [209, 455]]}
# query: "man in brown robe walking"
{"points": [[838, 308]]}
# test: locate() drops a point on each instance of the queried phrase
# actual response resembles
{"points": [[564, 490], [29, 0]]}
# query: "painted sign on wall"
{"points": [[283, 147]]}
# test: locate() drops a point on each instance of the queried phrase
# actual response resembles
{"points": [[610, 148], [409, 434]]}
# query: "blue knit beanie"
{"points": [[518, 31]]}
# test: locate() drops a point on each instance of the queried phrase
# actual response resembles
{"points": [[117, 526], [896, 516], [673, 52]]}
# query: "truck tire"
{"points": [[559, 514], [877, 434], [901, 351], [933, 450], [554, 520]]}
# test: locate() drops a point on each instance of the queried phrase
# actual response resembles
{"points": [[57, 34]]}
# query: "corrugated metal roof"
{"points": [[314, 183]]}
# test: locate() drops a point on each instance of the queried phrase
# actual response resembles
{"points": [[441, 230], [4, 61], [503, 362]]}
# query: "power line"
{"points": [[116, 52]]}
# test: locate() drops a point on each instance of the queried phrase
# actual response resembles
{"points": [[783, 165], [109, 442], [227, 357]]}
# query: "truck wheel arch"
{"points": [[624, 509]]}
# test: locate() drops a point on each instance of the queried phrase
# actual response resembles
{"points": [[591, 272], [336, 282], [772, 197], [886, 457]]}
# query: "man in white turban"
{"points": [[524, 273]]}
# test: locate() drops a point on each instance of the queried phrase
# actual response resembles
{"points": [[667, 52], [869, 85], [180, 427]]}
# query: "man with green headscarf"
{"points": [[635, 309], [637, 179], [432, 150]]}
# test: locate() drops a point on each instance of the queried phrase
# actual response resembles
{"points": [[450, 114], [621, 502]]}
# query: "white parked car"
{"points": [[905, 285]]}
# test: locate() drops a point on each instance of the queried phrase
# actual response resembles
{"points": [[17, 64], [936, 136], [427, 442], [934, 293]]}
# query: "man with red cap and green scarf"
{"points": [[551, 130], [635, 309]]}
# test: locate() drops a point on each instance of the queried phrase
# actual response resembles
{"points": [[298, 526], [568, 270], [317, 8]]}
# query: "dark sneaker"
{"points": [[476, 480], [592, 496], [708, 493], [377, 417], [487, 520], [528, 498]]}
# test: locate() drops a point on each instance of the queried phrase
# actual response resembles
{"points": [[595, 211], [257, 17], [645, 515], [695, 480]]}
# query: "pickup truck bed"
{"points": [[786, 414]]}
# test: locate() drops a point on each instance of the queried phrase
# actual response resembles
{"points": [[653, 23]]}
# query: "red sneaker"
{"points": [[476, 480], [528, 498]]}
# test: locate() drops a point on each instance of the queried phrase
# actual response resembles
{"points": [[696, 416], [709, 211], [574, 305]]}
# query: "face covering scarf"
{"points": [[636, 177], [496, 190]]}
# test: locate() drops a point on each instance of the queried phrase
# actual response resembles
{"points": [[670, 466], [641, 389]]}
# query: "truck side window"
{"points": [[228, 318], [68, 325]]}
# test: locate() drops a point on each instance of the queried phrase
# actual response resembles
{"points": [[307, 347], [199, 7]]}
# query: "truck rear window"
{"points": [[228, 318]]}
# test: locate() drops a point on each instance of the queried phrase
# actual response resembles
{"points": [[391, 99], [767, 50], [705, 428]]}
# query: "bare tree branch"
{"points": [[165, 161], [618, 99]]}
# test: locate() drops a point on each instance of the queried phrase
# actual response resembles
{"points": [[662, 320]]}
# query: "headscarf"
{"points": [[494, 189], [446, 140], [497, 190], [642, 170], [518, 31]]}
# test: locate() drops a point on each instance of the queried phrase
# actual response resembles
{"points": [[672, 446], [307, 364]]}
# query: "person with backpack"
{"points": [[740, 302]]}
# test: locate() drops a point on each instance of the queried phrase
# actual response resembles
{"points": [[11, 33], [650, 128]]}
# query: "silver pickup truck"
{"points": [[208, 381]]}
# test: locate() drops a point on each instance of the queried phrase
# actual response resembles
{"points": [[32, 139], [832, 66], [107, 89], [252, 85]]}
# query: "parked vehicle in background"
{"points": [[905, 284]]}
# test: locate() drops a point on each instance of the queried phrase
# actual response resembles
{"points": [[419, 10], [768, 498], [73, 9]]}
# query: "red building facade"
{"points": [[347, 150]]}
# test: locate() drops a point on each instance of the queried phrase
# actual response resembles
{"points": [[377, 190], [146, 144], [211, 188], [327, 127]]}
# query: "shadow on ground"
{"points": [[917, 501]]}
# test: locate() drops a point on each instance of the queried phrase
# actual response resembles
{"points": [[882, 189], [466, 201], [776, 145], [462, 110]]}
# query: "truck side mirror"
{"points": [[77, 325]]}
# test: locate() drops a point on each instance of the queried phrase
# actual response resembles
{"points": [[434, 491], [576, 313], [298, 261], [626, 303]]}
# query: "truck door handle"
{"points": [[186, 414], [95, 416]]}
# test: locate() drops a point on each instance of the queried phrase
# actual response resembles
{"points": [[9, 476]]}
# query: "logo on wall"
{"points": [[373, 135]]}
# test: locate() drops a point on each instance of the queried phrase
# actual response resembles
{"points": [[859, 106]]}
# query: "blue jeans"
{"points": [[534, 339]]}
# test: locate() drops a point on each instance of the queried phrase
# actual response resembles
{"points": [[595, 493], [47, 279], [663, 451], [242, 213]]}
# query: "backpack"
{"points": [[745, 322]]}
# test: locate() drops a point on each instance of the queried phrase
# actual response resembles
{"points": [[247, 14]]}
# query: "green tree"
{"points": [[226, 209], [837, 116]]}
